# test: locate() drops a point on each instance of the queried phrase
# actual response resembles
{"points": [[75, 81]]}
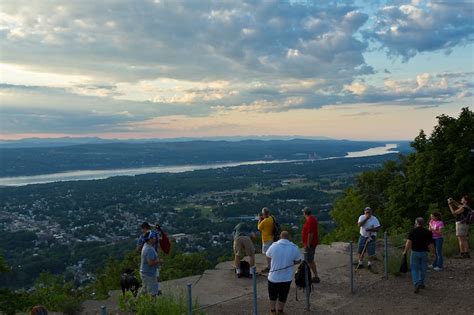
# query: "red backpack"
{"points": [[165, 243]]}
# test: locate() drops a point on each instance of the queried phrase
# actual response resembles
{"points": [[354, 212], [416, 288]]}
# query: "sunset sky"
{"points": [[370, 69]]}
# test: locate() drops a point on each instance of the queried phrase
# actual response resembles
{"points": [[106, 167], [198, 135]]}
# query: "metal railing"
{"points": [[351, 284]]}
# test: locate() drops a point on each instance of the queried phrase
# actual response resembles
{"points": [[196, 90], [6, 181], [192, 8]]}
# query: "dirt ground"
{"points": [[447, 292]]}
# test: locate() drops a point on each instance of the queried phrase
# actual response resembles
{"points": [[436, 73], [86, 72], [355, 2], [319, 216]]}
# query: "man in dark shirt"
{"points": [[420, 241]]}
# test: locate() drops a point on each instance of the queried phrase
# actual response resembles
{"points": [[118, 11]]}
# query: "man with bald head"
{"points": [[283, 255]]}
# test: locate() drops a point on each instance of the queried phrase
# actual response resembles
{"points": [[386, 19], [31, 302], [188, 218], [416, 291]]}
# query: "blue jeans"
{"points": [[370, 250], [438, 243], [419, 264]]}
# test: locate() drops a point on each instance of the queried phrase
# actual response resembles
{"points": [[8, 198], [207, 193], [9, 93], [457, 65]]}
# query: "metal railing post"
{"points": [[254, 283], [103, 310], [385, 258], [190, 299], [351, 268], [307, 292]]}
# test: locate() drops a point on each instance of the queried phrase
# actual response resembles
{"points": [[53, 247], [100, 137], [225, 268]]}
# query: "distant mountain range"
{"points": [[67, 141]]}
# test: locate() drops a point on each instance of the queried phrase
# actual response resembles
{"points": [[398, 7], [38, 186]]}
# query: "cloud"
{"points": [[123, 41], [27, 109], [406, 29]]}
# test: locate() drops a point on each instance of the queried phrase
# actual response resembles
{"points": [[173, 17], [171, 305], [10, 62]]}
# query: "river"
{"points": [[102, 174]]}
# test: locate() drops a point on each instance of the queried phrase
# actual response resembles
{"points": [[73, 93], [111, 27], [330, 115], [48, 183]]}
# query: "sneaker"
{"points": [[360, 267], [315, 280], [430, 266], [437, 269], [460, 256], [467, 255], [417, 288], [422, 286]]}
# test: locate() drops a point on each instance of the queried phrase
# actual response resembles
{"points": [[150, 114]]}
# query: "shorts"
{"points": [[266, 246], [462, 229], [149, 284], [309, 254], [243, 246], [370, 247], [278, 290]]}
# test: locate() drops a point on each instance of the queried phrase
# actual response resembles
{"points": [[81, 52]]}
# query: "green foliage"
{"points": [[346, 212], [11, 302], [417, 185], [184, 265], [164, 304], [49, 290], [3, 265], [55, 294], [450, 242]]}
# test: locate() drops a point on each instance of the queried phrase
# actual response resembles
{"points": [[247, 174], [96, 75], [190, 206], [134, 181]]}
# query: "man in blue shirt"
{"points": [[148, 266]]}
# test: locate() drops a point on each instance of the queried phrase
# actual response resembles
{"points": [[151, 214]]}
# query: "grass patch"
{"points": [[164, 304]]}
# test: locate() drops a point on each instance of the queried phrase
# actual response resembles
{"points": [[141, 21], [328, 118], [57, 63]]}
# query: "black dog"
{"points": [[128, 282]]}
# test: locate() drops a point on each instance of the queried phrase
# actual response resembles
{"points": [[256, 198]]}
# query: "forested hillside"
{"points": [[442, 166]]}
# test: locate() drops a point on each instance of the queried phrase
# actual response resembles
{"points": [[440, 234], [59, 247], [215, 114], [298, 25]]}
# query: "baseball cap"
{"points": [[368, 209], [306, 210]]}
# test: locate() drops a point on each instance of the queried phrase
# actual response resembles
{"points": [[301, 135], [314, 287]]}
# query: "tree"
{"points": [[441, 167]]}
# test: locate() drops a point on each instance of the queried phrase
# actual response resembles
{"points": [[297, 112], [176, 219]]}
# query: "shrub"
{"points": [[164, 304]]}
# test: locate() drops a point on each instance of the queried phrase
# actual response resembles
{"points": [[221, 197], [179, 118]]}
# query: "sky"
{"points": [[372, 70]]}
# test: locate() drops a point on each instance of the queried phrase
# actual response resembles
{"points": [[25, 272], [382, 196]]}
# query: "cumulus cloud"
{"points": [[200, 40], [113, 66], [408, 28], [425, 89], [28, 109]]}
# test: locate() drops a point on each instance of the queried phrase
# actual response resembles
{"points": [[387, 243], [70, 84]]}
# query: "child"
{"points": [[436, 226]]}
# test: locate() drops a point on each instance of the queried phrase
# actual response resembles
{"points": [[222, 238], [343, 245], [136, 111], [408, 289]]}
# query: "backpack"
{"points": [[276, 230], [244, 269], [165, 243], [404, 264], [300, 279], [469, 216]]}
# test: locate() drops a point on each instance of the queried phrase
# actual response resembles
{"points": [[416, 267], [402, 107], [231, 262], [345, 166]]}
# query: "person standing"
{"points": [[460, 211], [310, 241], [146, 228], [436, 226], [283, 255], [419, 241], [265, 225], [155, 236], [368, 226], [148, 266], [243, 245]]}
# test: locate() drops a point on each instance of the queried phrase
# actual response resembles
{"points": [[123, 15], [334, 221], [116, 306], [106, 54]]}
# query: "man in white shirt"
{"points": [[369, 225], [283, 256]]}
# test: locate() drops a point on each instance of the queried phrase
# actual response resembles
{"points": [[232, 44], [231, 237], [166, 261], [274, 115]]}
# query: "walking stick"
{"points": [[363, 253]]}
